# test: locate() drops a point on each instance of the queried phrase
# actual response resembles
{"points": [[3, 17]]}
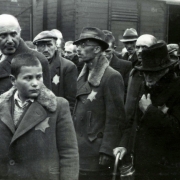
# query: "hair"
{"points": [[109, 38], [21, 60]]}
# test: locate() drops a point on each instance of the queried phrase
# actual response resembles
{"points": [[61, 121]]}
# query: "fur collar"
{"points": [[96, 74], [46, 98]]}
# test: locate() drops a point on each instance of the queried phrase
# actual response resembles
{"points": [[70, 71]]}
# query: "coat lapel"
{"points": [[6, 117], [83, 87], [34, 115]]}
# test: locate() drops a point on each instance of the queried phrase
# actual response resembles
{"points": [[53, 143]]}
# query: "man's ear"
{"points": [[13, 80], [97, 49]]}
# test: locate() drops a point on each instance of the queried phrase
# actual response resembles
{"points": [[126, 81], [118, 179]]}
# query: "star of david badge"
{"points": [[56, 79], [43, 125], [91, 96]]}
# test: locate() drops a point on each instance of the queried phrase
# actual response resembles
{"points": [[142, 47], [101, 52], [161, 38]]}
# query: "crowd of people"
{"points": [[68, 109]]}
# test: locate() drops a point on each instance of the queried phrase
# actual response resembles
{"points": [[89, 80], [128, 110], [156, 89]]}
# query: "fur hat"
{"points": [[156, 58]]}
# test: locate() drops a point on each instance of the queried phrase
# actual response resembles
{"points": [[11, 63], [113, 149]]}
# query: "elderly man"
{"points": [[70, 53], [99, 114], [157, 118], [11, 45], [122, 66], [129, 40], [136, 80], [63, 72]]}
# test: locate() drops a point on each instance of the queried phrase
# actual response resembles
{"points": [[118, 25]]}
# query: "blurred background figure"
{"points": [[59, 42], [30, 45], [129, 40], [172, 49], [124, 50], [122, 66], [70, 52]]}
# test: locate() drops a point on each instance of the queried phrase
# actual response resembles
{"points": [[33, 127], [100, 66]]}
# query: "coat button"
{"points": [[12, 162]]}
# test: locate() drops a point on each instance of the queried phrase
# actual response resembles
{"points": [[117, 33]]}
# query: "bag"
{"points": [[126, 170]]}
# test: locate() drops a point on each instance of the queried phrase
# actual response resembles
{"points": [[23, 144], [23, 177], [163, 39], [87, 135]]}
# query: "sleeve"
{"points": [[115, 113], [126, 77], [70, 84], [67, 144]]}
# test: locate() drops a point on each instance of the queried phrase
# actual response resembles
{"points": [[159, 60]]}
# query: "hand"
{"points": [[105, 159], [145, 102], [121, 150], [163, 108]]}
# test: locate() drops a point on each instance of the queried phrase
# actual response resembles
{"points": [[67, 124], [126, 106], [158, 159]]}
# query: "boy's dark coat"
{"points": [[67, 73], [5, 67], [99, 114], [44, 146]]}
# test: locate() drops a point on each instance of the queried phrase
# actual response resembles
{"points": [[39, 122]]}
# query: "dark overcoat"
{"points": [[123, 67], [5, 67], [157, 142], [99, 114], [44, 146], [64, 79], [133, 59]]}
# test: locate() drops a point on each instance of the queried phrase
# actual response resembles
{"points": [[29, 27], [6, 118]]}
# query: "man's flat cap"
{"points": [[44, 36]]}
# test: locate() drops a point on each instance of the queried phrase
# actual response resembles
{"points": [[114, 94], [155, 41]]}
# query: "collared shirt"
{"points": [[19, 107]]}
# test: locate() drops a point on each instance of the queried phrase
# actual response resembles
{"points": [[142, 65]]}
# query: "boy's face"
{"points": [[28, 82]]}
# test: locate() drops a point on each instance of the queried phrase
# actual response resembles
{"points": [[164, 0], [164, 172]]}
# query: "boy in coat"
{"points": [[37, 138]]}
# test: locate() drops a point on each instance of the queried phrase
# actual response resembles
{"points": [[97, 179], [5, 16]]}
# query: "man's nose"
{"points": [[9, 39], [46, 48]]}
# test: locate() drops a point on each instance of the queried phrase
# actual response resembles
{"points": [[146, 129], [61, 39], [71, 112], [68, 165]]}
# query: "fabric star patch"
{"points": [[91, 96], [43, 125], [56, 79]]}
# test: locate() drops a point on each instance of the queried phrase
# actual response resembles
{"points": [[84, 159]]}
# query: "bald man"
{"points": [[11, 44], [135, 84]]}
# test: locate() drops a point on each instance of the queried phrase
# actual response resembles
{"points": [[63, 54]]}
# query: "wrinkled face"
{"points": [[141, 44], [9, 38], [28, 82], [109, 52], [152, 78], [69, 52], [130, 46], [48, 48], [86, 50]]}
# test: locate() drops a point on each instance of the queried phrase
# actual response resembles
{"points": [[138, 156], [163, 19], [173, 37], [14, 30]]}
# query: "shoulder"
{"points": [[67, 62], [40, 56], [120, 62], [61, 102], [111, 73]]}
